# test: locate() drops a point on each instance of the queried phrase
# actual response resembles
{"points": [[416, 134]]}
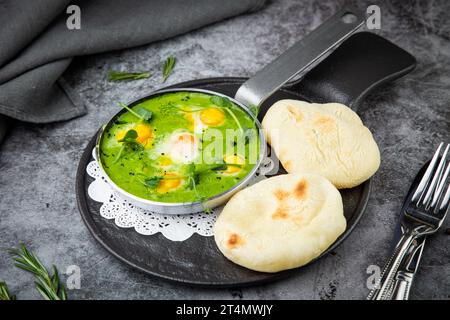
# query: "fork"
{"points": [[424, 214]]}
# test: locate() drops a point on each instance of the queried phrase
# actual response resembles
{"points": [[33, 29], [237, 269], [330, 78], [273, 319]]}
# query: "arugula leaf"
{"points": [[120, 76], [168, 67]]}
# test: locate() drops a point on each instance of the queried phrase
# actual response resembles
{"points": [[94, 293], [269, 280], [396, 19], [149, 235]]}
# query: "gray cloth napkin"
{"points": [[37, 47]]}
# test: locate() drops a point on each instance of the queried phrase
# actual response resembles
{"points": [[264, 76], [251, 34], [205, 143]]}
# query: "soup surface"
{"points": [[180, 147]]}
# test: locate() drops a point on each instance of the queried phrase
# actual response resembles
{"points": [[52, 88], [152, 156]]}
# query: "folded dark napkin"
{"points": [[37, 46]]}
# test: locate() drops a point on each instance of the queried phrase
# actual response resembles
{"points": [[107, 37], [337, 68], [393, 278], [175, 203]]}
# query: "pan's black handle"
{"points": [[362, 63]]}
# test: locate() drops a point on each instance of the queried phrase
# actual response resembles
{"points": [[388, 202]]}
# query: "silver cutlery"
{"points": [[423, 214], [407, 270]]}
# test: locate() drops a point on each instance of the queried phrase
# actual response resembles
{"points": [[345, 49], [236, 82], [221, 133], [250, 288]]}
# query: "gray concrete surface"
{"points": [[408, 118]]}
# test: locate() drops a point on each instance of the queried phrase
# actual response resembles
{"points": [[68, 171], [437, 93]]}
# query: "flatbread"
{"points": [[328, 139], [280, 223]]}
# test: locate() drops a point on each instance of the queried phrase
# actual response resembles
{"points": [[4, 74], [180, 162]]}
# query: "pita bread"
{"points": [[328, 139], [280, 223]]}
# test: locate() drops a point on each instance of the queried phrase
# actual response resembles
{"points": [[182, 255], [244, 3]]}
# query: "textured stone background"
{"points": [[408, 118]]}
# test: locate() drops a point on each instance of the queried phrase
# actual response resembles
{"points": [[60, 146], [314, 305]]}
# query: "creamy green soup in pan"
{"points": [[180, 147]]}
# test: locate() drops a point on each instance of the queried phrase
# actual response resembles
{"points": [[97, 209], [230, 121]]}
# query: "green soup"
{"points": [[180, 147]]}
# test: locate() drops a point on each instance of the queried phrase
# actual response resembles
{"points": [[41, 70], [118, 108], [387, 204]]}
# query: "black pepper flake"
{"points": [[447, 231]]}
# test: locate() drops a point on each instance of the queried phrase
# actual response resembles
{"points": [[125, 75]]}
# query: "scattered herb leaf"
{"points": [[168, 67], [120, 76]]}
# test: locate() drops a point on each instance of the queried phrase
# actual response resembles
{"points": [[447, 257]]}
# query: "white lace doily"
{"points": [[126, 215]]}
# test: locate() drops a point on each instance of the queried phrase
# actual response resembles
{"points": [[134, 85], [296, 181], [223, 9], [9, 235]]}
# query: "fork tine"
{"points": [[440, 186], [426, 177], [436, 178], [445, 200]]}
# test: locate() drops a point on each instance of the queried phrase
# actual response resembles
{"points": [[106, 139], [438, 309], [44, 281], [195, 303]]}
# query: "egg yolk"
{"points": [[144, 132], [212, 117], [168, 183], [233, 159], [164, 161], [120, 135], [190, 120]]}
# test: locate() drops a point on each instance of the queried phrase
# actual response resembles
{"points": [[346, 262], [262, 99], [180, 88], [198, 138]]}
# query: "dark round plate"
{"points": [[195, 261]]}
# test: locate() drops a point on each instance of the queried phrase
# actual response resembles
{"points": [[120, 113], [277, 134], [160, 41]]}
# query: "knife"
{"points": [[407, 270]]}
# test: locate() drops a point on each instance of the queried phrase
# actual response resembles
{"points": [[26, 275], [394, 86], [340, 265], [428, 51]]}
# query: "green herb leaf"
{"points": [[129, 142], [49, 286], [120, 76], [168, 67], [130, 136], [4, 292], [222, 102], [145, 114], [219, 167], [142, 113], [152, 182]]}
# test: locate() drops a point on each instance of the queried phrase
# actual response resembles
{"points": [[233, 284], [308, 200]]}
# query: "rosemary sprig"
{"points": [[168, 67], [4, 292], [120, 76], [49, 286]]}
